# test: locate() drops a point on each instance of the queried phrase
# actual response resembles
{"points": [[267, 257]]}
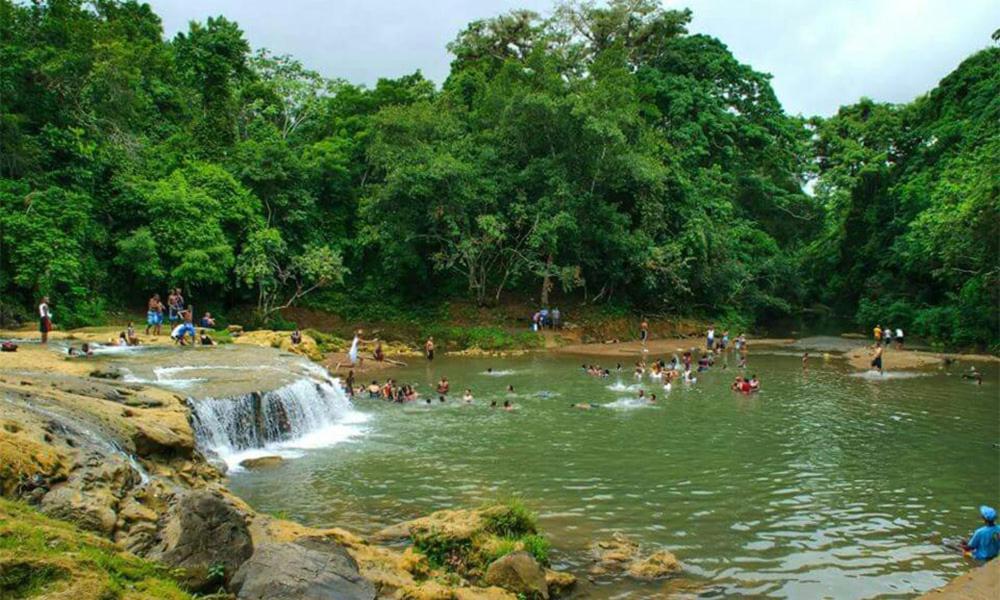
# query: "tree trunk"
{"points": [[547, 281]]}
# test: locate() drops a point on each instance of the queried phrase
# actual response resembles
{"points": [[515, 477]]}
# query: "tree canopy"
{"points": [[603, 153]]}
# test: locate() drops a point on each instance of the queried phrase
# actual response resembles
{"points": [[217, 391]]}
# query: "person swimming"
{"points": [[507, 405], [510, 389], [584, 405], [467, 397]]}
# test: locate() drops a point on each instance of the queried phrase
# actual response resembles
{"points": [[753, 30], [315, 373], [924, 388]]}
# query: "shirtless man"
{"points": [[154, 314], [429, 348], [877, 359]]}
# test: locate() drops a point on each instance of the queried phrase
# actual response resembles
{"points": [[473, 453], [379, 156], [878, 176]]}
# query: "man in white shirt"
{"points": [[44, 319]]}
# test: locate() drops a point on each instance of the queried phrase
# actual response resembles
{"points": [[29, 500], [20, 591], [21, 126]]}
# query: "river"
{"points": [[826, 483]]}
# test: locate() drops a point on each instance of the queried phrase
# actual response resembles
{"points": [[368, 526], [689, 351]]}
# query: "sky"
{"points": [[821, 53]]}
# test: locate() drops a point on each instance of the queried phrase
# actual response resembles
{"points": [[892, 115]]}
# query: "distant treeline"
{"points": [[603, 153]]}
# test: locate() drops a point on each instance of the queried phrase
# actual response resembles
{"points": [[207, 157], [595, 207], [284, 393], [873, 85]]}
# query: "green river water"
{"points": [[824, 484]]}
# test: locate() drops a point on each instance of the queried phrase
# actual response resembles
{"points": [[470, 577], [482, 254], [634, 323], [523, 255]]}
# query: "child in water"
{"points": [[467, 397]]}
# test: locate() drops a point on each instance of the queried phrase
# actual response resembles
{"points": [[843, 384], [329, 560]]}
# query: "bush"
{"points": [[538, 547], [512, 520], [442, 551]]}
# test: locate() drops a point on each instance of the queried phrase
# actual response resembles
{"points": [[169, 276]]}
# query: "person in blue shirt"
{"points": [[985, 541]]}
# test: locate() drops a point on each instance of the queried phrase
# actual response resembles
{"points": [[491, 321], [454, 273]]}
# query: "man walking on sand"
{"points": [[44, 319]]}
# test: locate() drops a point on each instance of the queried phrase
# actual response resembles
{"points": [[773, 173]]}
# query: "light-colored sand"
{"points": [[656, 347], [892, 359], [981, 583]]}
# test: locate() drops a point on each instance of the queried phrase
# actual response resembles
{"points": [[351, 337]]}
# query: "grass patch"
{"points": [[442, 551], [511, 518], [39, 554]]}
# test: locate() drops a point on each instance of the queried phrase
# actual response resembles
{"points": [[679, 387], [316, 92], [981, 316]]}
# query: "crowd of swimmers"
{"points": [[393, 391]]}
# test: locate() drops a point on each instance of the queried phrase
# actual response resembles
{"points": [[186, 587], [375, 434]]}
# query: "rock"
{"points": [[520, 573], [308, 570], [262, 462], [204, 534], [614, 555], [478, 593], [559, 582], [93, 510], [107, 373], [655, 566]]}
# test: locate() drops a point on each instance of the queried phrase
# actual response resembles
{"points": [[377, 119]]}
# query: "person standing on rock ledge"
{"points": [[44, 319], [429, 348]]}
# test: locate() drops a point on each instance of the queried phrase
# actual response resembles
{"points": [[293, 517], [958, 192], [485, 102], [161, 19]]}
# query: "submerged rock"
{"points": [[261, 462], [613, 555], [520, 573], [305, 570], [655, 566], [559, 582]]}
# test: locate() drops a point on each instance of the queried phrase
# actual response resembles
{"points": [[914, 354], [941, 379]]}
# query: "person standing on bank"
{"points": [[44, 319], [429, 348]]}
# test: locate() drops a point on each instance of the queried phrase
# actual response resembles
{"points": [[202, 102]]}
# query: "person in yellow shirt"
{"points": [[878, 333]]}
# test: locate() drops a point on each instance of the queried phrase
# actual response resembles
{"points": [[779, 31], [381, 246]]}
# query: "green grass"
{"points": [[39, 555], [512, 519]]}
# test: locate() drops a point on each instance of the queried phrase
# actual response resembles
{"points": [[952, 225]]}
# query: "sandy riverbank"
{"points": [[655, 347], [982, 583]]}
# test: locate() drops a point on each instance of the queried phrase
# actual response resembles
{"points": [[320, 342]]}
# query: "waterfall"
{"points": [[303, 414]]}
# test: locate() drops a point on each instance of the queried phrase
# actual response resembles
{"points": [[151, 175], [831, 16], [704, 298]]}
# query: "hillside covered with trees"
{"points": [[603, 153]]}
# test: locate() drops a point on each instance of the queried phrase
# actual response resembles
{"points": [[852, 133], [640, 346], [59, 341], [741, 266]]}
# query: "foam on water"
{"points": [[871, 375], [628, 404], [618, 386], [502, 373]]}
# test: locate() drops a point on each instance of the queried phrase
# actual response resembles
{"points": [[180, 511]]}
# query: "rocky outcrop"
{"points": [[304, 570], [520, 573], [206, 536], [655, 566], [621, 555], [282, 341]]}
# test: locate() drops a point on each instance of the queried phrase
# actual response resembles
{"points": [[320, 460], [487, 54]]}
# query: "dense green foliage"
{"points": [[604, 154]]}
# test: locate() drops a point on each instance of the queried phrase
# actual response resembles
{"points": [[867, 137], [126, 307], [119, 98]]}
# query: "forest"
{"points": [[603, 153]]}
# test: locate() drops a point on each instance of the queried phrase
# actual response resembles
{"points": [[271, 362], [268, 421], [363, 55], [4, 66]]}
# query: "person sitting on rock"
{"points": [[296, 337], [985, 542], [205, 339]]}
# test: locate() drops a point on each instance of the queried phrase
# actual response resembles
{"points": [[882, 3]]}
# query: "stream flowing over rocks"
{"points": [[135, 458]]}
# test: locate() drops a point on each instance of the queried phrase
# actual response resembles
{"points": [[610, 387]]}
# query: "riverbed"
{"points": [[826, 483]]}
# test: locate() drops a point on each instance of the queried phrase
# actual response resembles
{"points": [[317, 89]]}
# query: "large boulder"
{"points": [[204, 535], [302, 570], [520, 573]]}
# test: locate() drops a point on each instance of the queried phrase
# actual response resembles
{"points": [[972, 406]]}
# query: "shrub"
{"points": [[511, 520], [538, 547]]}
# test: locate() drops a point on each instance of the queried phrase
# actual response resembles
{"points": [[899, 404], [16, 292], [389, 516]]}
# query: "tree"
{"points": [[281, 277]]}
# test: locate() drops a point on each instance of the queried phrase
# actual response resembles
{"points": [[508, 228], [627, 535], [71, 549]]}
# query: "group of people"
{"points": [[391, 391], [886, 336], [883, 339], [180, 316], [546, 319]]}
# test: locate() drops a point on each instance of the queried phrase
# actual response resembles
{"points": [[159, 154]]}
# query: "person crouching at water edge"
{"points": [[985, 541], [184, 329]]}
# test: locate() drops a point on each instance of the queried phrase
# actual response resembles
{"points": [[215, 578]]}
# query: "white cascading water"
{"points": [[307, 413]]}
